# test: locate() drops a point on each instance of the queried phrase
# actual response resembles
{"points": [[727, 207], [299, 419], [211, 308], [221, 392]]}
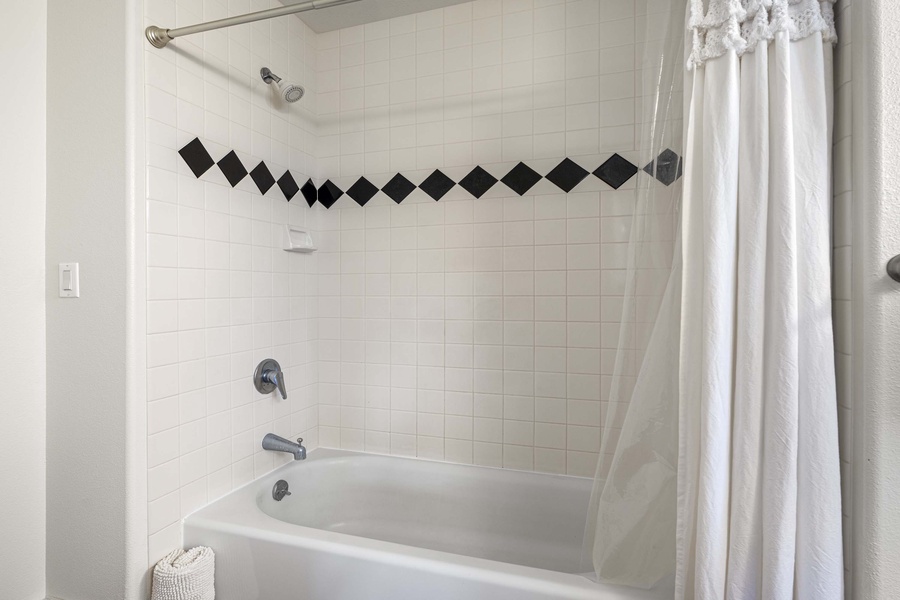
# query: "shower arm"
{"points": [[268, 76], [159, 37]]}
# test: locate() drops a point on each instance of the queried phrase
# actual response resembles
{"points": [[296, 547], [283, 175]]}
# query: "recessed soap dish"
{"points": [[297, 240]]}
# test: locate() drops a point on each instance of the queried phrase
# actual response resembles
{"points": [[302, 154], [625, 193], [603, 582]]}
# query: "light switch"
{"points": [[68, 280]]}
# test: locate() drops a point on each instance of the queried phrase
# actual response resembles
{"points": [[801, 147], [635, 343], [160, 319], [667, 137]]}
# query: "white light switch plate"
{"points": [[68, 280]]}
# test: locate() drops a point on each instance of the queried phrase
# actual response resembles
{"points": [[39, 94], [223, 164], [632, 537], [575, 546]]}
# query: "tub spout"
{"points": [[276, 443]]}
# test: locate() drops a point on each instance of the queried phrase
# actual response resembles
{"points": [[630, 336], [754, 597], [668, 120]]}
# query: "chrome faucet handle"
{"points": [[268, 377], [276, 377]]}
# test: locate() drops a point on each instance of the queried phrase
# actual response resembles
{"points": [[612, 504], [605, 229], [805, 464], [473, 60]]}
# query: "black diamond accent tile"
{"points": [[232, 168], [521, 179], [288, 186], [666, 168], [398, 188], [329, 194], [262, 177], [197, 158], [478, 182], [615, 171], [567, 174], [310, 192], [362, 191], [437, 184]]}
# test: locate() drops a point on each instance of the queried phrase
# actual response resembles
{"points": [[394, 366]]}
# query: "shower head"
{"points": [[289, 92]]}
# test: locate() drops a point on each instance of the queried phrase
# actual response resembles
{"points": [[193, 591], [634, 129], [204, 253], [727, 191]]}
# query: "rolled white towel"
{"points": [[185, 575]]}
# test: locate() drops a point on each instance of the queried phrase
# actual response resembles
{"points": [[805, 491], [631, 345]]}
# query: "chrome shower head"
{"points": [[289, 92]]}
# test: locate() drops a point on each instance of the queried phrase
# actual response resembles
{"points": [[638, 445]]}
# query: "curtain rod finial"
{"points": [[157, 36]]}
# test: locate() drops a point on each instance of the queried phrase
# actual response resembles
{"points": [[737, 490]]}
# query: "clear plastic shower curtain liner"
{"points": [[630, 534]]}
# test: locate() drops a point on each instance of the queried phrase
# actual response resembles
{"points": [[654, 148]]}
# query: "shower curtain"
{"points": [[630, 532], [759, 511], [718, 459]]}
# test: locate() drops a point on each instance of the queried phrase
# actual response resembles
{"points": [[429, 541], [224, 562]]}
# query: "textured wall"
{"points": [[89, 207], [876, 302], [22, 345]]}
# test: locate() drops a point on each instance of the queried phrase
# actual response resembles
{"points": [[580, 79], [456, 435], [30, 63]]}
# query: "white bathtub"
{"points": [[362, 526]]}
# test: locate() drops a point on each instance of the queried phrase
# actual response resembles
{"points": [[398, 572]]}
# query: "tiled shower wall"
{"points": [[476, 331], [843, 249], [472, 330], [478, 83], [222, 295]]}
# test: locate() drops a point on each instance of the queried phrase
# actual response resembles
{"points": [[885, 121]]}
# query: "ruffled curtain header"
{"points": [[740, 25]]}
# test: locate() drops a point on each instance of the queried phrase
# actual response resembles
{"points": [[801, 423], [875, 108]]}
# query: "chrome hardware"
{"points": [[268, 76], [159, 37], [893, 268], [276, 443], [280, 490], [268, 376]]}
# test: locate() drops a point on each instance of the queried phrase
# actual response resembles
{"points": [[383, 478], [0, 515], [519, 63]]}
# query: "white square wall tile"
{"points": [[436, 329]]}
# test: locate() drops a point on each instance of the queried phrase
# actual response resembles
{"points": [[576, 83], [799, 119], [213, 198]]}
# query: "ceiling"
{"points": [[365, 11]]}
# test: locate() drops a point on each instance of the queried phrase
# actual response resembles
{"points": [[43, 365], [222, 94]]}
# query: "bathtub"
{"points": [[365, 527]]}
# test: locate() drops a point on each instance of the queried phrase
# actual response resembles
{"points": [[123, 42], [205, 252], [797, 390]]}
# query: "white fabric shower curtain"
{"points": [[759, 513]]}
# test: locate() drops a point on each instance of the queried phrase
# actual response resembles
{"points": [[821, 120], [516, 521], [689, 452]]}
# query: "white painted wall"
{"points": [[96, 507], [876, 300], [23, 68]]}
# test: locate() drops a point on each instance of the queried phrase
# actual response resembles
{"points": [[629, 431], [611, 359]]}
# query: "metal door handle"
{"points": [[893, 268]]}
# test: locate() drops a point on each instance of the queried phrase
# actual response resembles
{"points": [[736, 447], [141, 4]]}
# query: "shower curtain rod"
{"points": [[159, 37]]}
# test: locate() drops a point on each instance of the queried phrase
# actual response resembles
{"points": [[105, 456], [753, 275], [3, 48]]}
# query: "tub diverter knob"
{"points": [[280, 490]]}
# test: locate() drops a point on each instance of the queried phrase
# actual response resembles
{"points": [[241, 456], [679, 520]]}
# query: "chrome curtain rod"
{"points": [[159, 37]]}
